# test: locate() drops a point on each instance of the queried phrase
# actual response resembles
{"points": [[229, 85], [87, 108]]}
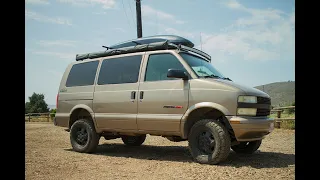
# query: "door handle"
{"points": [[141, 95], [133, 96]]}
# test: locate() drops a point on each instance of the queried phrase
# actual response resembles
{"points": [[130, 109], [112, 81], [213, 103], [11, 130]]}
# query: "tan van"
{"points": [[164, 87]]}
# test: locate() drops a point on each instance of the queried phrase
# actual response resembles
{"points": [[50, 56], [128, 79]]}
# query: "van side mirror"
{"points": [[177, 73]]}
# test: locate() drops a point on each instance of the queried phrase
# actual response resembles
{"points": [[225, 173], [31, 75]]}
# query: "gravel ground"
{"points": [[48, 155]]}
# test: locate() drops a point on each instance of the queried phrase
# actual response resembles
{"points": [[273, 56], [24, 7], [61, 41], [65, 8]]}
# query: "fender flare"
{"points": [[194, 107], [87, 108]]}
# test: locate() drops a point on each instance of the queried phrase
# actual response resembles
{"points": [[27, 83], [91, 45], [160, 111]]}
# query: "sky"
{"points": [[250, 41]]}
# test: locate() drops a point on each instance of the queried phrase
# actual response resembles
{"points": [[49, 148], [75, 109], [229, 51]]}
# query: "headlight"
{"points": [[247, 99], [247, 111]]}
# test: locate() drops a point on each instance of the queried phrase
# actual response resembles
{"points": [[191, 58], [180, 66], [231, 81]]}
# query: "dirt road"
{"points": [[49, 156]]}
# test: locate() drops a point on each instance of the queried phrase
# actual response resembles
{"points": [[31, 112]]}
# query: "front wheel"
{"points": [[247, 147], [209, 142], [133, 140]]}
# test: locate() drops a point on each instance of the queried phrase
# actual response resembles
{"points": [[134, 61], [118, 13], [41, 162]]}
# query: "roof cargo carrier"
{"points": [[151, 45]]}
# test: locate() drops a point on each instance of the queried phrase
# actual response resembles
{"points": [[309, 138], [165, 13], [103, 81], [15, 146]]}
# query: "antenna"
{"points": [[200, 41]]}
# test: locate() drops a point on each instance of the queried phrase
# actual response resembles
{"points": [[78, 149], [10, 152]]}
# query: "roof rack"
{"points": [[164, 45]]}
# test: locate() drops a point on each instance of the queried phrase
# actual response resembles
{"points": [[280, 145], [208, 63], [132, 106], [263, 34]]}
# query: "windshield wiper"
{"points": [[215, 76], [211, 76], [227, 78]]}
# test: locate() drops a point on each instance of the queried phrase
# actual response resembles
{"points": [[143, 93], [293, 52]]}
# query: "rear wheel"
{"points": [[83, 136], [133, 140], [247, 147], [209, 142]]}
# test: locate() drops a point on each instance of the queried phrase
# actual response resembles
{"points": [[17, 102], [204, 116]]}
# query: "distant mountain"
{"points": [[51, 106], [281, 93]]}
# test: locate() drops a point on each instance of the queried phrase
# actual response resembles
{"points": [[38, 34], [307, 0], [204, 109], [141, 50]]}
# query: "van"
{"points": [[161, 87]]}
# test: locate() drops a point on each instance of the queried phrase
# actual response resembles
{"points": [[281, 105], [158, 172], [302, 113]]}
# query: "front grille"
{"points": [[260, 111], [263, 112], [263, 100], [263, 106]]}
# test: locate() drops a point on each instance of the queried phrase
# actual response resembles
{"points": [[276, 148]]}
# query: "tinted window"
{"points": [[200, 66], [158, 65], [82, 74], [120, 70]]}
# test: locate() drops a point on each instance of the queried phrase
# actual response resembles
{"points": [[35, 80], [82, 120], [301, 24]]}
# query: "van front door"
{"points": [[162, 100]]}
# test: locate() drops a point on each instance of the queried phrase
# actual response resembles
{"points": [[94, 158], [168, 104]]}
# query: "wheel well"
{"points": [[207, 113], [79, 114]]}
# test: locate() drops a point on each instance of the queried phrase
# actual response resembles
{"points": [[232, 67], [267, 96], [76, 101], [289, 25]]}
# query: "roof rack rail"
{"points": [[194, 50], [164, 45]]}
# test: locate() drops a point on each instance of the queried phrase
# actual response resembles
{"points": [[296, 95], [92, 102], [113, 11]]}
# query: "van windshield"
{"points": [[201, 67]]}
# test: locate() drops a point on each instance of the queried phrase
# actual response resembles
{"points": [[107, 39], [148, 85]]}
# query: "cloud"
{"points": [[55, 73], [57, 43], [233, 4], [148, 11], [106, 4], [258, 16], [37, 2], [177, 32], [120, 29], [266, 34], [64, 56], [42, 18], [99, 13]]}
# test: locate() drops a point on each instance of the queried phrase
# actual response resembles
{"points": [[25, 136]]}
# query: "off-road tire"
{"points": [[92, 138], [133, 140], [247, 147], [221, 143]]}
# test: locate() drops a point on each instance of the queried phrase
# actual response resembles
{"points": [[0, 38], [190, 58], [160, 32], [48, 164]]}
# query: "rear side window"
{"points": [[120, 70], [82, 74]]}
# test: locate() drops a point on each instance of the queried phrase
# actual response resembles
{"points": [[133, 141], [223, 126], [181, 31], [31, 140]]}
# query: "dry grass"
{"points": [[286, 124], [49, 156]]}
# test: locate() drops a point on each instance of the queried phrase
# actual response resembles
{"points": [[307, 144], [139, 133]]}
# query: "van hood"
{"points": [[247, 90]]}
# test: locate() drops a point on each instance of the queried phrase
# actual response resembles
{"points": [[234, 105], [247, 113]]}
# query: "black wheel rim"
{"points": [[206, 142], [81, 135], [243, 145]]}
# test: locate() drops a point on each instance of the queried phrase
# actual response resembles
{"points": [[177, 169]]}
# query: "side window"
{"points": [[82, 74], [120, 70], [158, 65]]}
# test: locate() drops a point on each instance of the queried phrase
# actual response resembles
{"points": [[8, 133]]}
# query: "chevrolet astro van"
{"points": [[161, 86]]}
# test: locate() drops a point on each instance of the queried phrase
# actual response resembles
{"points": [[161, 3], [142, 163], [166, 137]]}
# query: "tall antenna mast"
{"points": [[139, 22]]}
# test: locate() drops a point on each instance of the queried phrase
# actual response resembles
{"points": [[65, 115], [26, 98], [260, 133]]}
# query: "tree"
{"points": [[36, 104]]}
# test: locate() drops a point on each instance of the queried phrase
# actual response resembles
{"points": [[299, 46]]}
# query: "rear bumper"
{"points": [[61, 119], [251, 128]]}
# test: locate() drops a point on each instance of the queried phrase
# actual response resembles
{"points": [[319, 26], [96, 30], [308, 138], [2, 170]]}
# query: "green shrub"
{"points": [[287, 124], [54, 113]]}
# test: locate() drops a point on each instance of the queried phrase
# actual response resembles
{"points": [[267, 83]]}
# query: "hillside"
{"points": [[281, 93]]}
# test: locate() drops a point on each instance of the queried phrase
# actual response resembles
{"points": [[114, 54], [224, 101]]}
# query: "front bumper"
{"points": [[251, 128]]}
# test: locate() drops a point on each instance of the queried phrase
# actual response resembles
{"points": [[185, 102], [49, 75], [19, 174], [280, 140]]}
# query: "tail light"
{"points": [[57, 101]]}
